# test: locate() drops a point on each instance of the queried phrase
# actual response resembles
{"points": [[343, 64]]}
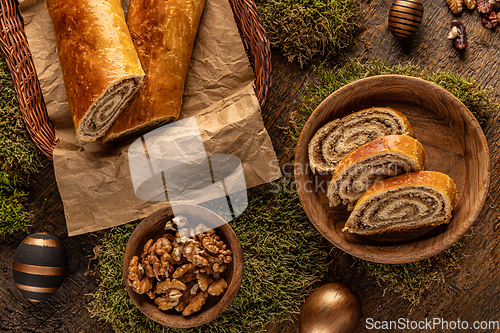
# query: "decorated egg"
{"points": [[39, 266], [404, 17], [333, 307]]}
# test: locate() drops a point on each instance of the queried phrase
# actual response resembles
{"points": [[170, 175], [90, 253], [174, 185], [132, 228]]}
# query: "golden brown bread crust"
{"points": [[372, 162], [413, 181], [336, 138], [163, 33], [95, 51], [438, 180], [392, 143]]}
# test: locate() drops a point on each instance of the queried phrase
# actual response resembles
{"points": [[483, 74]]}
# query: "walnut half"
{"points": [[137, 279], [456, 6]]}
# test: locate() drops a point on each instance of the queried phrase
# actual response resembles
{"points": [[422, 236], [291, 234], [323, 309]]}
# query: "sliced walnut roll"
{"points": [[164, 33], [409, 201], [337, 138], [100, 66], [384, 157]]}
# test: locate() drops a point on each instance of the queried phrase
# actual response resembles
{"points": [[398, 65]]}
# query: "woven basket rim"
{"points": [[19, 61]]}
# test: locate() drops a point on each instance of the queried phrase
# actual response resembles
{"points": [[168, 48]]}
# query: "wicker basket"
{"points": [[22, 70]]}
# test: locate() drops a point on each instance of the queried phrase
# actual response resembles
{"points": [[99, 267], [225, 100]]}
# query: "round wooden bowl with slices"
{"points": [[152, 227], [454, 144]]}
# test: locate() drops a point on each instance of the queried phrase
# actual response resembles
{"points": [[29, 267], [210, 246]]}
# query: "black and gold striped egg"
{"points": [[39, 266], [405, 17]]}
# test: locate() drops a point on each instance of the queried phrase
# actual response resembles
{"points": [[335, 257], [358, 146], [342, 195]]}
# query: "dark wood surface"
{"points": [[470, 293]]}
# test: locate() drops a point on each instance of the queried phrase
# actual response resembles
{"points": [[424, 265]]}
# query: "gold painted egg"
{"points": [[405, 17], [333, 307], [39, 266]]}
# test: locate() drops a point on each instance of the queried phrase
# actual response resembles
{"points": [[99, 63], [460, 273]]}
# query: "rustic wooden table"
{"points": [[470, 293]]}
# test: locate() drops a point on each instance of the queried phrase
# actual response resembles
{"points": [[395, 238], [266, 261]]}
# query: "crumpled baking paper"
{"points": [[95, 181]]}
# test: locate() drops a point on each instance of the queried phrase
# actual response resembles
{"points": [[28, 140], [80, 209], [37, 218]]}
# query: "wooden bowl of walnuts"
{"points": [[184, 270]]}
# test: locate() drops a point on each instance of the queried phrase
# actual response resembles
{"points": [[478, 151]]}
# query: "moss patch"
{"points": [[305, 29], [284, 258], [412, 279], [19, 159]]}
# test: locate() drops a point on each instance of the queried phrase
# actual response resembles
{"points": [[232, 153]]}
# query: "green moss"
{"points": [[19, 159], [284, 258], [13, 216], [305, 29], [329, 79], [412, 279]]}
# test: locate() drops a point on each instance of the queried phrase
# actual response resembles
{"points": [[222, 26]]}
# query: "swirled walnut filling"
{"points": [[405, 207], [356, 132], [104, 111], [348, 187], [335, 139]]}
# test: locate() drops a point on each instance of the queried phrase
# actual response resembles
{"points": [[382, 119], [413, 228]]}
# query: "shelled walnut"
{"points": [[455, 5], [471, 4], [182, 268], [137, 279], [490, 21], [485, 6]]}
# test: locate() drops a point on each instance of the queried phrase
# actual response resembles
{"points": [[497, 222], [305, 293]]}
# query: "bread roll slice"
{"points": [[405, 202], [337, 138], [100, 66], [164, 33], [384, 157]]}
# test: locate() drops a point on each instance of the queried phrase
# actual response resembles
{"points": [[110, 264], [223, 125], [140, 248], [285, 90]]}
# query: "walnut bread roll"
{"points": [[405, 202], [338, 137], [163, 33], [100, 66], [384, 157]]}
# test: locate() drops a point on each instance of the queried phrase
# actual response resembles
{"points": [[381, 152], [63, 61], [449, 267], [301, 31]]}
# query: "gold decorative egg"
{"points": [[405, 17], [333, 307]]}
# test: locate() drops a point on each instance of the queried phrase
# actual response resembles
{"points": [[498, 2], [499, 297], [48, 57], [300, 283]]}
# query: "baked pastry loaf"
{"points": [[338, 137], [100, 66], [408, 201], [384, 157], [163, 33]]}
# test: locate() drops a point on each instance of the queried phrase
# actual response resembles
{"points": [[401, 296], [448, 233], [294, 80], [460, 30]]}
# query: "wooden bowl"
{"points": [[454, 144], [152, 227]]}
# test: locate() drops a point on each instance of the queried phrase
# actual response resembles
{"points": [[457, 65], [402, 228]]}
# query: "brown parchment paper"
{"points": [[94, 181]]}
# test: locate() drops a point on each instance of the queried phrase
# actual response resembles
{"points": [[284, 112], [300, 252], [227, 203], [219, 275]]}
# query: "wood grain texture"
{"points": [[470, 293]]}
